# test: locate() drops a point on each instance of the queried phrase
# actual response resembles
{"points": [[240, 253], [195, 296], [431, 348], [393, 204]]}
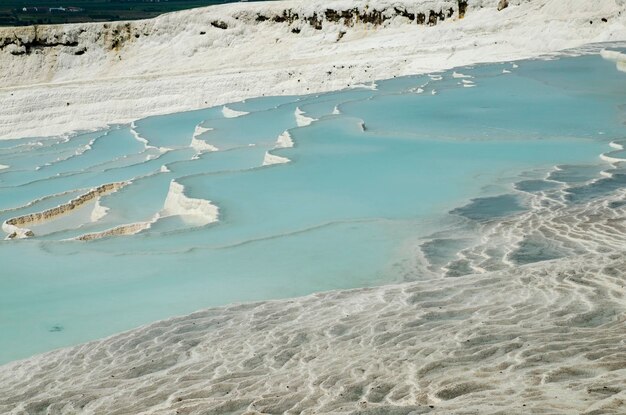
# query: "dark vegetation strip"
{"points": [[32, 12]]}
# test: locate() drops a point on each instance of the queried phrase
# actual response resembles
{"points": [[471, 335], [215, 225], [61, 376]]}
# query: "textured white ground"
{"points": [[547, 338], [180, 61]]}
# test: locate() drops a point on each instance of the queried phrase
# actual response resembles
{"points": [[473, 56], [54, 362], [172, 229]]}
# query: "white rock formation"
{"points": [[270, 159], [55, 79]]}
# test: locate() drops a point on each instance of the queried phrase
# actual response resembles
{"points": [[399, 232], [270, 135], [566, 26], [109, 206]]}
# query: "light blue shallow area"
{"points": [[368, 180]]}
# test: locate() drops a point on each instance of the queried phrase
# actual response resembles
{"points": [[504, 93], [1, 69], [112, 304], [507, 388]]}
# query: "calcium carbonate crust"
{"points": [[545, 338], [57, 79]]}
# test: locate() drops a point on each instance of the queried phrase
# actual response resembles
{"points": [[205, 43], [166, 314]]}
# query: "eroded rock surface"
{"points": [[16, 227]]}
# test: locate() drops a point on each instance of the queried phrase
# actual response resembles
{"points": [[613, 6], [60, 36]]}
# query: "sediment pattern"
{"points": [[38, 217], [545, 338], [121, 230], [551, 229]]}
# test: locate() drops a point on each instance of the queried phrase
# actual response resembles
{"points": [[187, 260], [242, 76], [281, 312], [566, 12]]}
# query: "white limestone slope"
{"points": [[55, 79]]}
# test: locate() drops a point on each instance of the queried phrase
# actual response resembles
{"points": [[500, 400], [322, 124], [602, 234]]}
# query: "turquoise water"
{"points": [[368, 181]]}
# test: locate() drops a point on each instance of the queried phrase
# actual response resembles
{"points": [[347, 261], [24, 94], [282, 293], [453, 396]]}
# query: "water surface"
{"points": [[372, 178]]}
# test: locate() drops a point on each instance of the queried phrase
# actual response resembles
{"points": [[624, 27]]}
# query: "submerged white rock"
{"points": [[200, 145], [270, 159], [301, 119], [284, 140], [98, 211], [231, 113], [618, 57], [198, 212]]}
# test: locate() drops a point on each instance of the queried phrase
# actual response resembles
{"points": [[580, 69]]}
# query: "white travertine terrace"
{"points": [[17, 227], [540, 338], [56, 79]]}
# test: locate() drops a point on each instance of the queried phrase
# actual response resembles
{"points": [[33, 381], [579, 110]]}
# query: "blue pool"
{"points": [[285, 196]]}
